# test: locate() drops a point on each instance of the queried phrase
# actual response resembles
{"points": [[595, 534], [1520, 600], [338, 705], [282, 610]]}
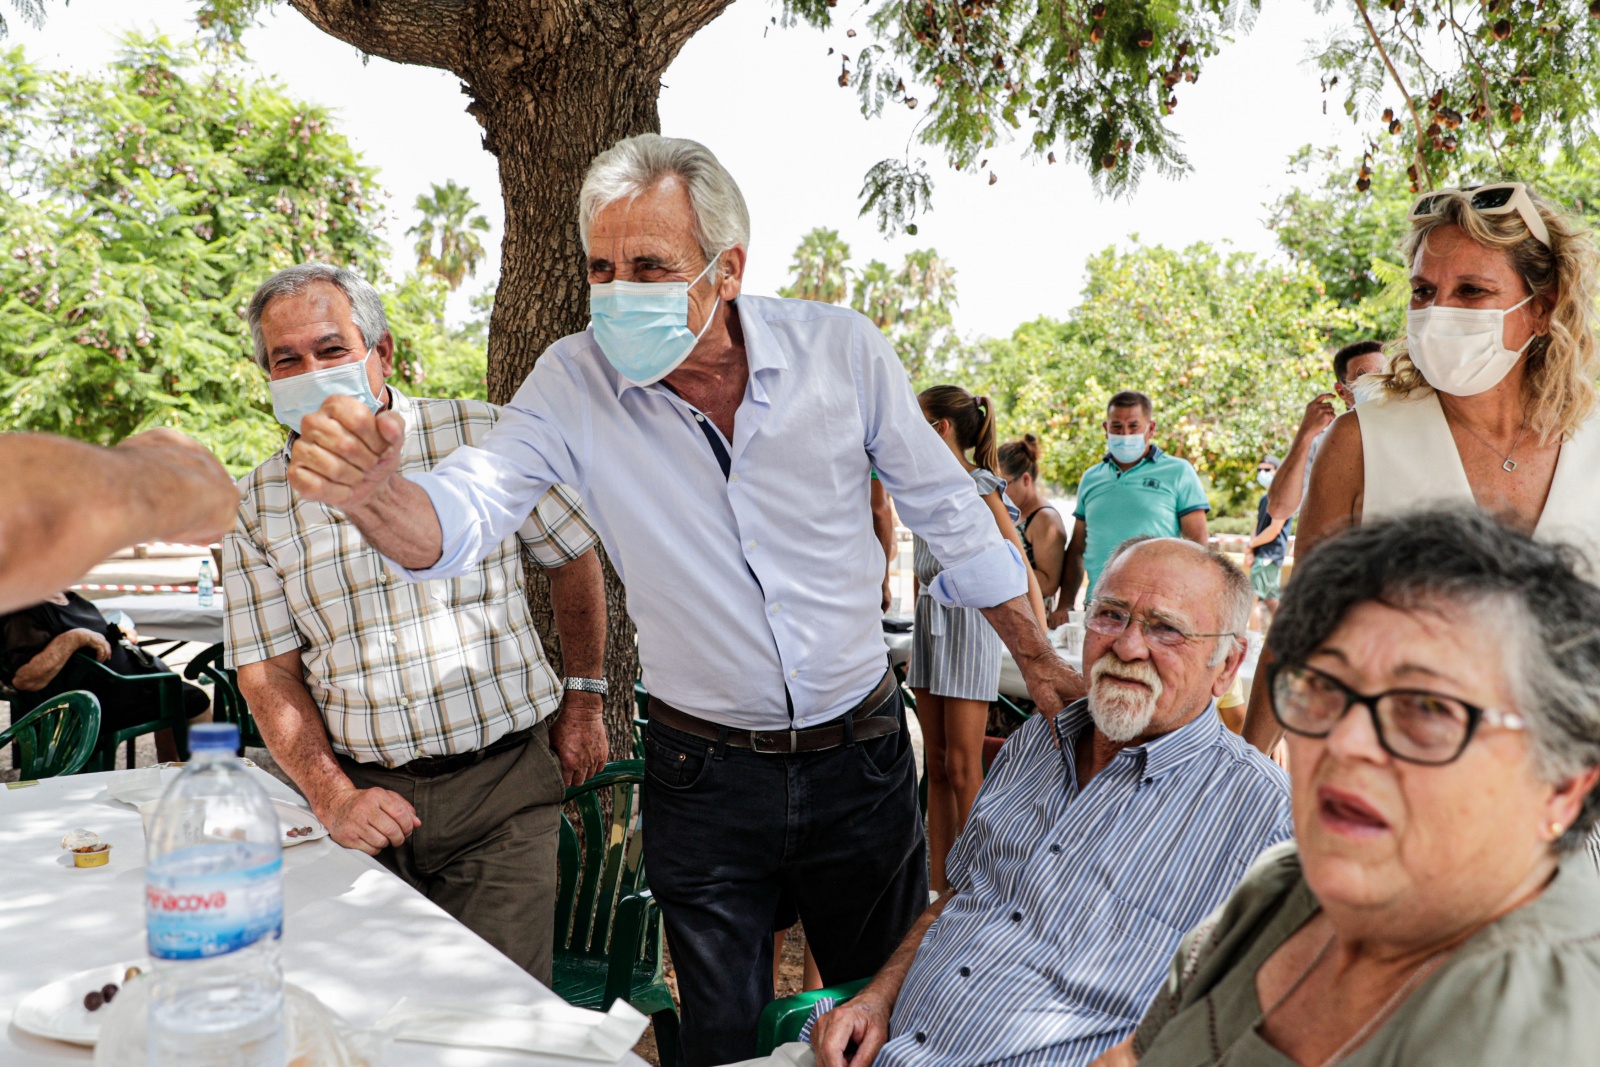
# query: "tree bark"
{"points": [[553, 83]]}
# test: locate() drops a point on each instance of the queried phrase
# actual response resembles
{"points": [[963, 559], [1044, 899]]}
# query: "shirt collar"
{"points": [[1158, 755], [399, 403], [762, 352], [1152, 454]]}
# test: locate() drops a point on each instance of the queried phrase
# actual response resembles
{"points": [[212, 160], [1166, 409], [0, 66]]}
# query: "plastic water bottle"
{"points": [[207, 584], [214, 914]]}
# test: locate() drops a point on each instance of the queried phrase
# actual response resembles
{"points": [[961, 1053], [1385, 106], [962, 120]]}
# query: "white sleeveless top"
{"points": [[1410, 463]]}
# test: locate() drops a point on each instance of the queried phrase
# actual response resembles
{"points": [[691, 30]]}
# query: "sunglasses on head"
{"points": [[1499, 199]]}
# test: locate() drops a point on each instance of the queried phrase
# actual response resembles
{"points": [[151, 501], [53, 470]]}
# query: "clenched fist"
{"points": [[346, 454]]}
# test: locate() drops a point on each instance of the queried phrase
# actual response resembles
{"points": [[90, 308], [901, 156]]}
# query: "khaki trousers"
{"points": [[486, 849]]}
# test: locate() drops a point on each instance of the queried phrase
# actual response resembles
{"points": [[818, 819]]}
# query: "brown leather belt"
{"points": [[434, 766], [855, 725]]}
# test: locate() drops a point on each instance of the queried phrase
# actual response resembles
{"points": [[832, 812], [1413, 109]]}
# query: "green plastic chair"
{"points": [[56, 737], [782, 1019], [160, 691], [609, 941], [227, 703]]}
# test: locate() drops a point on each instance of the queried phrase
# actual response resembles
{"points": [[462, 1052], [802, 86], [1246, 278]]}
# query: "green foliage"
{"points": [[430, 358], [139, 208], [1231, 348], [819, 269], [447, 216], [1091, 80], [912, 306], [1447, 88]]}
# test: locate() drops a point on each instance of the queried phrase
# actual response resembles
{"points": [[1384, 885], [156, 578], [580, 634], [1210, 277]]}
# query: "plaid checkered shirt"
{"points": [[399, 670]]}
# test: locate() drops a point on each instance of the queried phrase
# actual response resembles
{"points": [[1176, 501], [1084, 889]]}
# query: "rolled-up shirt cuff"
{"points": [[456, 526], [993, 576]]}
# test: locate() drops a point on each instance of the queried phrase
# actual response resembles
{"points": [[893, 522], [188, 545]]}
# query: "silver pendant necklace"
{"points": [[1507, 464]]}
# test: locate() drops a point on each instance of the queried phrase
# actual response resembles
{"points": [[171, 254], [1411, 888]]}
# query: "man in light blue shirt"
{"points": [[1099, 839], [721, 444], [1136, 491]]}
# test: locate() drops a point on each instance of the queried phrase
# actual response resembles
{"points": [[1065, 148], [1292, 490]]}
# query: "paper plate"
{"points": [[291, 816], [56, 1011]]}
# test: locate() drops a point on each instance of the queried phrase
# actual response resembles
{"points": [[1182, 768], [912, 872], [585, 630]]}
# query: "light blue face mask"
{"points": [[1127, 447], [295, 398], [643, 327]]}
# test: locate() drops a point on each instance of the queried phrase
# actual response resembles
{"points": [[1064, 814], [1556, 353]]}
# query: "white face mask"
{"points": [[1461, 351], [1265, 478]]}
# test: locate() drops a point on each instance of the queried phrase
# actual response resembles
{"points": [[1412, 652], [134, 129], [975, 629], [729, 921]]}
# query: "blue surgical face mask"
{"points": [[1127, 447], [295, 398], [643, 327]]}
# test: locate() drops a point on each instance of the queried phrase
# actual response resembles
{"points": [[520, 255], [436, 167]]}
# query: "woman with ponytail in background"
{"points": [[955, 653], [1044, 534]]}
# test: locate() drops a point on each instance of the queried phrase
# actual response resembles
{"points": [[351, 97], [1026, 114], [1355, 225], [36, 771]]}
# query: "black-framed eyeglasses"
{"points": [[1412, 724], [1111, 621]]}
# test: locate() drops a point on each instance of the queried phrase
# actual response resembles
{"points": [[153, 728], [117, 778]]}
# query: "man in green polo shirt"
{"points": [[1136, 490]]}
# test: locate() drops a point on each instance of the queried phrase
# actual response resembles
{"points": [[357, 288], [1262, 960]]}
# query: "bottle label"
{"points": [[196, 916]]}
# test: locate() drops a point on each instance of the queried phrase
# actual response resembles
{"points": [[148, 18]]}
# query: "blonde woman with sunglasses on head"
{"points": [[1489, 401]]}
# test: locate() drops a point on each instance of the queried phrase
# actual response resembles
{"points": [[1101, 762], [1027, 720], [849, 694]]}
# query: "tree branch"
{"points": [[1377, 42], [427, 33]]}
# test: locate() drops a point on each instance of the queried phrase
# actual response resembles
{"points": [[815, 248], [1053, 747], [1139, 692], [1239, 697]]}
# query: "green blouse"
{"points": [[1522, 991]]}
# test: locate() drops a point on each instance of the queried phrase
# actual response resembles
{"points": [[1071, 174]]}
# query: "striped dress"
{"points": [[954, 651]]}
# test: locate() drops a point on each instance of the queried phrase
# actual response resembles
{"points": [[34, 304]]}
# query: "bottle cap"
{"points": [[208, 735]]}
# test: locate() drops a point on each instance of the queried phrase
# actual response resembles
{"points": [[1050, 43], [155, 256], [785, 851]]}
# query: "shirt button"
{"points": [[751, 545], [922, 1038], [1016, 916], [383, 579], [393, 640], [405, 702], [966, 972], [1056, 849], [794, 674], [699, 417], [733, 477], [775, 609]]}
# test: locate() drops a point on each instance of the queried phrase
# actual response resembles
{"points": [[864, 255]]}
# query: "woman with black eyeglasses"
{"points": [[1438, 677], [1489, 399]]}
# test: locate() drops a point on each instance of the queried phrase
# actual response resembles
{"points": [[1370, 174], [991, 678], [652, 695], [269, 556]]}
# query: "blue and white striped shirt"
{"points": [[1068, 904]]}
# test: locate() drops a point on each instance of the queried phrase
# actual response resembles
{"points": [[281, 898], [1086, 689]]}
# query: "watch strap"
{"points": [[587, 685]]}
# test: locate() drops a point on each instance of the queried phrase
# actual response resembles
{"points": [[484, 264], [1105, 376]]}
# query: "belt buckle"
{"points": [[771, 742]]}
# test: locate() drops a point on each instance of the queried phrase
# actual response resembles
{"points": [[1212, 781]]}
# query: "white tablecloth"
{"points": [[354, 935], [169, 616]]}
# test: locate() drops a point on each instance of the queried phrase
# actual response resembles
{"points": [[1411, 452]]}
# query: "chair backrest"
{"points": [[607, 864], [57, 737], [227, 703]]}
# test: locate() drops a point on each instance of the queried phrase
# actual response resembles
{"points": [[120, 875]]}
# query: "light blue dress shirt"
{"points": [[1071, 900], [768, 578]]}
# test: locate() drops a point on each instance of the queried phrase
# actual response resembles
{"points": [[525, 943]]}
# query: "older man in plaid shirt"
{"points": [[420, 720]]}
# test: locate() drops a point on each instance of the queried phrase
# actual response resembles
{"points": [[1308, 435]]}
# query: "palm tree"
{"points": [[819, 268], [447, 215]]}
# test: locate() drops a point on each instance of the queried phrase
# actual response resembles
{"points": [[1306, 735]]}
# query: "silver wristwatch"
{"points": [[588, 685]]}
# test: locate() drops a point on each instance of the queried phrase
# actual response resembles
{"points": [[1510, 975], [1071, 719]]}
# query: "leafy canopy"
{"points": [[139, 209], [1230, 347]]}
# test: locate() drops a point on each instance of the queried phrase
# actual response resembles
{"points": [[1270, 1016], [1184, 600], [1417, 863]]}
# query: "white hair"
{"points": [[1234, 595], [631, 166], [366, 306]]}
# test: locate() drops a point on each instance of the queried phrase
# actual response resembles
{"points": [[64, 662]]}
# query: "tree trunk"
{"points": [[553, 83]]}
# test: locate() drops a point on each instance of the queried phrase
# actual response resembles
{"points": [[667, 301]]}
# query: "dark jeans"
{"points": [[731, 832]]}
